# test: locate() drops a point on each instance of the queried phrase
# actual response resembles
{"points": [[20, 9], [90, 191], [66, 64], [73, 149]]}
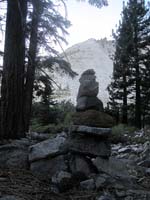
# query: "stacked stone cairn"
{"points": [[91, 129], [69, 160]]}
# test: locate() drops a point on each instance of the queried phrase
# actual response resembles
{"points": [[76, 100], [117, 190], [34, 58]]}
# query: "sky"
{"points": [[90, 22]]}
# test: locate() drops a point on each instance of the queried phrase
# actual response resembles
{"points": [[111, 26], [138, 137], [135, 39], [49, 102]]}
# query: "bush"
{"points": [[122, 133], [53, 119]]}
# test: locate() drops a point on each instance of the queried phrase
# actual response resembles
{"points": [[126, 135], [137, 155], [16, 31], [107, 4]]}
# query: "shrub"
{"points": [[122, 133]]}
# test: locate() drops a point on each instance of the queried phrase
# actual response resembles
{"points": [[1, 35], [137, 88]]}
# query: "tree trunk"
{"points": [[30, 75], [12, 125], [124, 111], [138, 99]]}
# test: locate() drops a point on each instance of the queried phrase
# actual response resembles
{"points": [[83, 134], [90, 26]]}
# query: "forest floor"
{"points": [[23, 185]]}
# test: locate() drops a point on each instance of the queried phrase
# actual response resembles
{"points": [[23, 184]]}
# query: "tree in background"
{"points": [[131, 56]]}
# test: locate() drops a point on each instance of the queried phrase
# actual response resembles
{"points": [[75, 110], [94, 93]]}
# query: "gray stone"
{"points": [[60, 176], [125, 150], [46, 168], [105, 197], [100, 182], [93, 118], [120, 193], [87, 77], [88, 88], [146, 150], [86, 103], [88, 72], [89, 146], [79, 165], [147, 171], [112, 166], [47, 148], [144, 163], [10, 197], [63, 180], [87, 184], [38, 136], [93, 131]]}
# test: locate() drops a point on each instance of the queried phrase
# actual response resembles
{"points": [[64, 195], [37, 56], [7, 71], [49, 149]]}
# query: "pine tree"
{"points": [[132, 47], [121, 71], [140, 23]]}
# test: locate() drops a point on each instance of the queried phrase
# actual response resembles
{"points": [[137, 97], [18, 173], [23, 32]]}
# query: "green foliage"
{"points": [[131, 76], [51, 119], [122, 133]]}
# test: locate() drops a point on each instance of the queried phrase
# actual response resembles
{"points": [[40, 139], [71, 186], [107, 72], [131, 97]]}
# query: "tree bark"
{"points": [[125, 111], [12, 89], [138, 99], [30, 74]]}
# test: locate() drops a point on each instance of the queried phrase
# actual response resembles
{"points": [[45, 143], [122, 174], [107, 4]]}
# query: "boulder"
{"points": [[88, 88], [79, 165], [88, 184], [85, 103], [92, 131], [114, 167], [62, 180], [93, 118], [89, 146], [46, 168], [47, 148]]}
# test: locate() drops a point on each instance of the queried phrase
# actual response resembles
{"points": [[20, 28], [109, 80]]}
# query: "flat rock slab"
{"points": [[47, 148], [46, 168], [114, 167], [89, 146], [93, 131], [93, 118]]}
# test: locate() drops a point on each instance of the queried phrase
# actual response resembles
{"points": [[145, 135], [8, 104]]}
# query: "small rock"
{"points": [[87, 184], [62, 180], [124, 150], [147, 171], [10, 197], [105, 197], [144, 163], [100, 182]]}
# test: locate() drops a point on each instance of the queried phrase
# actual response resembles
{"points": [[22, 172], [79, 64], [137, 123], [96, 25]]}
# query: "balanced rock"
{"points": [[93, 118], [89, 146], [88, 90], [87, 102]]}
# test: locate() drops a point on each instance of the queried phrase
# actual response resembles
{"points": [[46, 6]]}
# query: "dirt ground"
{"points": [[24, 185]]}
